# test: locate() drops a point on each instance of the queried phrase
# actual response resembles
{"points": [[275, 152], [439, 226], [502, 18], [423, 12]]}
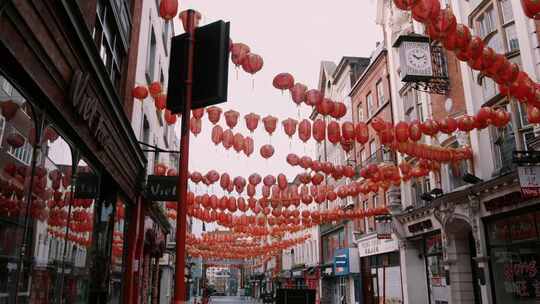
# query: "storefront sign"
{"points": [[161, 188], [346, 261], [87, 105], [509, 199], [529, 180], [374, 245], [420, 227], [297, 273], [86, 186]]}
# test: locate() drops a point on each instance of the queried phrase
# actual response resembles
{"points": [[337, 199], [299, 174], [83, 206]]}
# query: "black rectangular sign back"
{"points": [[161, 188]]}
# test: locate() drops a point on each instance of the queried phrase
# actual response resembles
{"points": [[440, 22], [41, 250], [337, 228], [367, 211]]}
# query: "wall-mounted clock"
{"points": [[415, 58]]}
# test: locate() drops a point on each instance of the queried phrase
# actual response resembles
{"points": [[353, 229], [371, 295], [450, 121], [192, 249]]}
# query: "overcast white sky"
{"points": [[292, 36]]}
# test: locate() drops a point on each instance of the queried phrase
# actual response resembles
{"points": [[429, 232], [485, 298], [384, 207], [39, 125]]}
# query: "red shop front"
{"points": [[312, 276]]}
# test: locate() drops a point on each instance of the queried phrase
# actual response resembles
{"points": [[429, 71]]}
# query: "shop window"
{"points": [[515, 256]]}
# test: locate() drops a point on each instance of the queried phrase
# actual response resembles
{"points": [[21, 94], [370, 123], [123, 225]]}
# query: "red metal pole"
{"points": [[133, 236], [181, 220]]}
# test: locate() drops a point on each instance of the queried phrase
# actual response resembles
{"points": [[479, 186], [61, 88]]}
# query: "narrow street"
{"points": [[231, 300]]}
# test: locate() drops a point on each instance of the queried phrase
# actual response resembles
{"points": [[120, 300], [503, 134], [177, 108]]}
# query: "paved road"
{"points": [[232, 300]]}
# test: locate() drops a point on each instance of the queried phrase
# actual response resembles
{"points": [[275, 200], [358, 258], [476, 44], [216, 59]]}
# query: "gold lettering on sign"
{"points": [[87, 106]]}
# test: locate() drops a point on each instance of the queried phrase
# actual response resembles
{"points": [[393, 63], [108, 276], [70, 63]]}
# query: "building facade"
{"points": [[464, 229], [73, 226], [335, 83]]}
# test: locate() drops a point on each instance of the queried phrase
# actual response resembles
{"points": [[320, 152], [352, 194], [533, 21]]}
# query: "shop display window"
{"points": [[48, 194], [515, 259]]}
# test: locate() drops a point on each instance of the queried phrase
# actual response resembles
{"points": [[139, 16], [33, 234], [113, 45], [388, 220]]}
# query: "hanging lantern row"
{"points": [[81, 241], [228, 139], [442, 26], [346, 133]]}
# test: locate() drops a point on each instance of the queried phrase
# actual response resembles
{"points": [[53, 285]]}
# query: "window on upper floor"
{"points": [[360, 112], [108, 40], [380, 92], [419, 186], [370, 104], [412, 105], [495, 23], [456, 171], [151, 56], [166, 35], [372, 148]]}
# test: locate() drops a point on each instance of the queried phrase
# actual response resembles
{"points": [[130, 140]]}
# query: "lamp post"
{"points": [[181, 220]]}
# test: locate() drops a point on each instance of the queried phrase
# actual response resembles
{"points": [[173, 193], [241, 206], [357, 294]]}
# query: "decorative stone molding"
{"points": [[444, 212]]}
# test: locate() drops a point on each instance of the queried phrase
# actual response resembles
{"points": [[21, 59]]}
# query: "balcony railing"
{"points": [[382, 155]]}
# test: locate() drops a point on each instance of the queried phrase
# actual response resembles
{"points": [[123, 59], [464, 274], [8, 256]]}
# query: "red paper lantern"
{"points": [[184, 17], [198, 113], [238, 52], [465, 123], [347, 131], [154, 89], [314, 97], [533, 114], [195, 126], [426, 11], [15, 140], [415, 132], [305, 162], [248, 146], [334, 135], [214, 113], [170, 118], [339, 110], [531, 8], [225, 181], [238, 142], [139, 92], [293, 159], [252, 121], [429, 127], [298, 93], [289, 126], [402, 131], [444, 24], [282, 181], [270, 123], [267, 151], [283, 81], [304, 130], [405, 4], [160, 169], [269, 180], [160, 101], [168, 9], [252, 63], [227, 139], [217, 134], [325, 107], [448, 125], [231, 118], [459, 39], [254, 179], [361, 131], [319, 130], [378, 124]]}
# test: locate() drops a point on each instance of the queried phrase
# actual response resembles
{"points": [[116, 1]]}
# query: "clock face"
{"points": [[418, 58]]}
